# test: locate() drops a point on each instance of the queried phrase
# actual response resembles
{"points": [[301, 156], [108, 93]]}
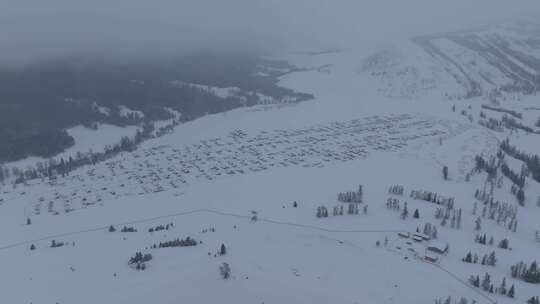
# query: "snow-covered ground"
{"points": [[221, 170], [86, 140], [125, 112], [217, 91], [496, 63], [228, 92]]}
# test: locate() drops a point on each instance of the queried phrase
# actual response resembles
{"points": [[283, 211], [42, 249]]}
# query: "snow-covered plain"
{"points": [[216, 171]]}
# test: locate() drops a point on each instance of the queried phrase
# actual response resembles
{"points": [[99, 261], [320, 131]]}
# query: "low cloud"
{"points": [[36, 29]]}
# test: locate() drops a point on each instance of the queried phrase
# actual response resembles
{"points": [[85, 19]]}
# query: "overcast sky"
{"points": [[37, 29]]}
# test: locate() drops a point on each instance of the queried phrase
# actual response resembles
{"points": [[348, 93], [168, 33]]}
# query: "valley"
{"points": [[359, 195]]}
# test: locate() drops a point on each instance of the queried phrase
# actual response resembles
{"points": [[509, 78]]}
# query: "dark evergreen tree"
{"points": [[521, 197], [128, 229], [225, 271], [532, 275], [177, 243], [478, 225], [484, 258], [222, 250], [474, 281], [504, 244], [405, 212], [468, 258], [511, 291], [486, 282], [502, 288], [2, 175], [445, 173], [55, 244], [491, 260], [534, 300]]}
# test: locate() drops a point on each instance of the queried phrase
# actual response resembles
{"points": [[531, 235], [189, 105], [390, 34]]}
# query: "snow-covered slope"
{"points": [[86, 140], [495, 63], [229, 92]]}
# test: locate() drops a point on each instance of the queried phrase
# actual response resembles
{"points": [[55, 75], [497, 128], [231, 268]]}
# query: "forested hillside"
{"points": [[40, 101]]}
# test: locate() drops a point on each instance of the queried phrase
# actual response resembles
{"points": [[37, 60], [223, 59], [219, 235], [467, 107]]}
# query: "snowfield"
{"points": [[496, 63], [234, 179], [303, 264]]}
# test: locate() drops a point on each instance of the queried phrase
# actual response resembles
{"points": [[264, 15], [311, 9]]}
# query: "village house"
{"points": [[417, 238], [429, 257], [404, 234], [422, 236], [438, 248]]}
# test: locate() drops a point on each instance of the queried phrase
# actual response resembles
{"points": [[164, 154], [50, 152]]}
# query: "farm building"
{"points": [[422, 236], [417, 238], [404, 234], [431, 258], [437, 247]]}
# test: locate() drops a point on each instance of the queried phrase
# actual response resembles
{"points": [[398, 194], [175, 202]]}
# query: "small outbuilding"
{"points": [[438, 248], [405, 235], [423, 236], [431, 258], [417, 238]]}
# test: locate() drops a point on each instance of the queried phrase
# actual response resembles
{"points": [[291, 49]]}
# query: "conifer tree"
{"points": [[511, 292], [222, 250], [502, 288], [521, 197], [405, 212], [486, 282], [468, 258], [534, 300], [478, 226], [492, 260], [225, 271], [445, 173]]}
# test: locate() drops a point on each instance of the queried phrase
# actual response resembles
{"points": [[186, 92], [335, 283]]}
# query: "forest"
{"points": [[40, 101]]}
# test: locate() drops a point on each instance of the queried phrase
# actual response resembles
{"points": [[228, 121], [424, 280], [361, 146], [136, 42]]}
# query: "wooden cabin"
{"points": [[417, 238], [431, 258], [405, 235], [423, 236], [438, 248]]}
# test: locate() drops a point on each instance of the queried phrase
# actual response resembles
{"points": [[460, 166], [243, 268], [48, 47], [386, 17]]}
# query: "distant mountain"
{"points": [[494, 63]]}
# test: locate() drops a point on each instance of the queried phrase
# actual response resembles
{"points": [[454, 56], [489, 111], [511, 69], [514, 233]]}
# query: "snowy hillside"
{"points": [[86, 141], [244, 96], [495, 63], [361, 195]]}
